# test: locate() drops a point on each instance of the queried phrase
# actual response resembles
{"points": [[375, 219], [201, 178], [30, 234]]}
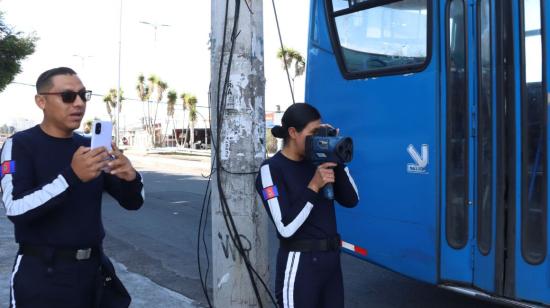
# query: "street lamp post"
{"points": [[155, 27], [119, 92]]}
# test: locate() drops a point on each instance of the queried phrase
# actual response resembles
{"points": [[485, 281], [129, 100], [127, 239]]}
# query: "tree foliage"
{"points": [[145, 90], [290, 56], [14, 47], [172, 98], [142, 89], [111, 102], [192, 107]]}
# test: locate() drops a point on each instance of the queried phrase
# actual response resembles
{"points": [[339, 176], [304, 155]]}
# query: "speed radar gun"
{"points": [[326, 146]]}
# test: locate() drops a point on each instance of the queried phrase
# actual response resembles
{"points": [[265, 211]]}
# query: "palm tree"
{"points": [[144, 93], [289, 56], [151, 83], [110, 103], [161, 88], [170, 110], [192, 105], [185, 100]]}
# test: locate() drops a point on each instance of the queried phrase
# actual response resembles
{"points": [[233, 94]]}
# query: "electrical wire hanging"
{"points": [[221, 98], [284, 52], [205, 202]]}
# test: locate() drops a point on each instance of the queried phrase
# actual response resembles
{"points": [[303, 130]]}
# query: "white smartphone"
{"points": [[102, 132]]}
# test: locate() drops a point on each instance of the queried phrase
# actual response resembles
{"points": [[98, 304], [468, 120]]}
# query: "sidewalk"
{"points": [[144, 292]]}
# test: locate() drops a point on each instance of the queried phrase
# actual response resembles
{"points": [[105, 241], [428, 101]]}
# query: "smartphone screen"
{"points": [[102, 134]]}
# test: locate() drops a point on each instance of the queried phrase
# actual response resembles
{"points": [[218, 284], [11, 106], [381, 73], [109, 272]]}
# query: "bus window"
{"points": [[534, 140], [380, 38], [485, 130], [340, 4], [457, 127]]}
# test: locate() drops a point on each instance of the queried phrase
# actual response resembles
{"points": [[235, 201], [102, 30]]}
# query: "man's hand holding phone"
{"points": [[121, 166], [87, 163]]}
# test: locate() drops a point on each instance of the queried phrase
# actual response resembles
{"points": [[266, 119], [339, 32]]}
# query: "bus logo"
{"points": [[420, 161]]}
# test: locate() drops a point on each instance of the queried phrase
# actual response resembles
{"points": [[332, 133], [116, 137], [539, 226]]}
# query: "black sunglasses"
{"points": [[70, 96]]}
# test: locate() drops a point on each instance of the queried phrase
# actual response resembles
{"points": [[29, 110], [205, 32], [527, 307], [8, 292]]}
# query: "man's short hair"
{"points": [[44, 81]]}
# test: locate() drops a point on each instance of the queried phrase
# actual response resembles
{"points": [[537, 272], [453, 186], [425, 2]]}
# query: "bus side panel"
{"points": [[396, 219]]}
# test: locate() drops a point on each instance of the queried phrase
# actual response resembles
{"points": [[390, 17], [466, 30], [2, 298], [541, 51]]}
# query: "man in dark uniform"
{"points": [[52, 184]]}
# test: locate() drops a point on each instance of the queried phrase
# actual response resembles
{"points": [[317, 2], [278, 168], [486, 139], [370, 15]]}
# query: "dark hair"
{"points": [[44, 81], [298, 116]]}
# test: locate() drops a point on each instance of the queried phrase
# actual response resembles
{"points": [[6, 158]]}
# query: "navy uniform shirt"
{"points": [[47, 203], [297, 211]]}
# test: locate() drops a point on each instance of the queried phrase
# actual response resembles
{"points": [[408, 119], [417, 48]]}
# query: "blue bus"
{"points": [[447, 105]]}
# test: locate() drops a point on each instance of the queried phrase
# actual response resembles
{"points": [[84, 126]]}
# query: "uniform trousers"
{"points": [[55, 283], [309, 279]]}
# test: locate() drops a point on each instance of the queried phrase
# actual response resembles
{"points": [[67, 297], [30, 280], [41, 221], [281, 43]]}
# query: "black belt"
{"points": [[59, 253], [305, 245]]}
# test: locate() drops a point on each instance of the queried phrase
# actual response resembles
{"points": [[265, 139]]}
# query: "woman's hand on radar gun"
{"points": [[323, 175]]}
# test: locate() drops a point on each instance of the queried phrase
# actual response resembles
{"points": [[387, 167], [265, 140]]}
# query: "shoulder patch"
{"points": [[8, 167], [270, 192]]}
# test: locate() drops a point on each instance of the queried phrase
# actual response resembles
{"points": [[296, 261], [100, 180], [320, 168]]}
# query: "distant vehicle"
{"points": [[447, 105]]}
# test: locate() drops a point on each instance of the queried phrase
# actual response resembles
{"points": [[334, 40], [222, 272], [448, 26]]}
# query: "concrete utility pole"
{"points": [[241, 151]]}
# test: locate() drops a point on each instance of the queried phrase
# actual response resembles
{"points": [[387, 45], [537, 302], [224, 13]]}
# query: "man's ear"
{"points": [[40, 101]]}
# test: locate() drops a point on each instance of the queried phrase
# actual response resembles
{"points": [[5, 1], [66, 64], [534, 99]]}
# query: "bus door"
{"points": [[494, 205], [458, 147], [529, 276]]}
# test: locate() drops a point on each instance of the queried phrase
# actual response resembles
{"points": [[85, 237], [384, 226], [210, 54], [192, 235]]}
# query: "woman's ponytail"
{"points": [[279, 132], [298, 115]]}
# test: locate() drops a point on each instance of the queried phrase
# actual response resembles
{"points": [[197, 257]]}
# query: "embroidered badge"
{"points": [[8, 167], [270, 192]]}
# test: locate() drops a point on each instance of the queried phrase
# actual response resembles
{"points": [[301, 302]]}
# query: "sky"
{"points": [[84, 35]]}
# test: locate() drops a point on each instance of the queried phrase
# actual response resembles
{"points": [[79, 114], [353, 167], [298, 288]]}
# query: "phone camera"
{"points": [[98, 128]]}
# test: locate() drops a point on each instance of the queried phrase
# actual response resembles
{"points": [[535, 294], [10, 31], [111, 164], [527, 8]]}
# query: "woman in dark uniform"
{"points": [[308, 261]]}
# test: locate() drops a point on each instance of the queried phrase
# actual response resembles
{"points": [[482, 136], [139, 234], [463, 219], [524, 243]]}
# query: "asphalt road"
{"points": [[160, 240]]}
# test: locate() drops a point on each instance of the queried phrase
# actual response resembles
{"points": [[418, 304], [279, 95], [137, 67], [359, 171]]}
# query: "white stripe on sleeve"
{"points": [[352, 182], [31, 201], [275, 208]]}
